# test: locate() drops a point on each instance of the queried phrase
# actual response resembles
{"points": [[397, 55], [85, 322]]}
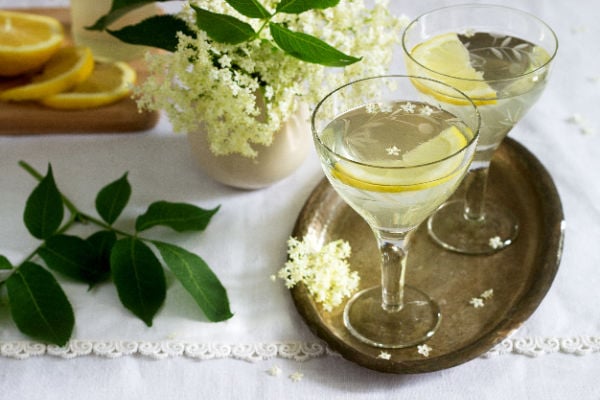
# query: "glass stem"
{"points": [[393, 249], [476, 184]]}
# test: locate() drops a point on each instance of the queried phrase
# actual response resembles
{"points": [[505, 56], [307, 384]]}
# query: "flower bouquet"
{"points": [[242, 67]]}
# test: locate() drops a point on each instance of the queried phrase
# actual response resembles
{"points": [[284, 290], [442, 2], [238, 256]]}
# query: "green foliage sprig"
{"points": [[161, 30], [38, 304]]}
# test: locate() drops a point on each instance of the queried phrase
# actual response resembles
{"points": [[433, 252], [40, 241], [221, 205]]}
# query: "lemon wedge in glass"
{"points": [[27, 41], [445, 58], [425, 166], [108, 83]]}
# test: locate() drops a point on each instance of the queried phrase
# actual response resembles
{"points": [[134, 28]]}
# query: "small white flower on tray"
{"points": [[476, 302], [384, 355], [495, 242], [274, 371], [424, 350]]}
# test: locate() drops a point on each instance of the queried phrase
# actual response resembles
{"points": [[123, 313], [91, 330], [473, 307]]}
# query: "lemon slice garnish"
{"points": [[417, 170], [449, 58], [27, 41], [108, 83], [66, 68]]}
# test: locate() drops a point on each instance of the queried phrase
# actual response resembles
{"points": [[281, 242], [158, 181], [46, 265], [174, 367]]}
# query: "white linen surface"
{"points": [[246, 243]]}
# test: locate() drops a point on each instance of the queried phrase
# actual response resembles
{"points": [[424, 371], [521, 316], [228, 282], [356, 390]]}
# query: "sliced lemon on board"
{"points": [[108, 83], [27, 41], [66, 68], [394, 178], [448, 57]]}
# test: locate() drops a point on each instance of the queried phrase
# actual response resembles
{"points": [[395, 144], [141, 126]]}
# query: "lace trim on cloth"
{"points": [[298, 351]]}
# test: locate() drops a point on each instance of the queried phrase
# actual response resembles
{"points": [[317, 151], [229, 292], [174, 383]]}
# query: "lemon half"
{"points": [[448, 57], [403, 175], [27, 41]]}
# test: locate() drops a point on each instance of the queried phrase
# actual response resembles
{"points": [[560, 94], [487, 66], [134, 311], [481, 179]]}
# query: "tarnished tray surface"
{"points": [[520, 275]]}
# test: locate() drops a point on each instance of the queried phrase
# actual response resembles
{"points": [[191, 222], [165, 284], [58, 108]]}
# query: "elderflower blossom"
{"points": [[324, 270], [190, 87]]}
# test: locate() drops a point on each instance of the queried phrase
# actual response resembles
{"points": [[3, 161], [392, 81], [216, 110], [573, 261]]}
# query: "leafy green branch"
{"points": [[39, 306], [161, 31]]}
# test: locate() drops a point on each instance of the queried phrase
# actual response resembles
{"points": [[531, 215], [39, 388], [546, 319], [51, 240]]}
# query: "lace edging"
{"points": [[298, 351]]}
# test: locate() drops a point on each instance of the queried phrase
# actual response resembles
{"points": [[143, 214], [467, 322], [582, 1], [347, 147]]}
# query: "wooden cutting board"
{"points": [[29, 118]]}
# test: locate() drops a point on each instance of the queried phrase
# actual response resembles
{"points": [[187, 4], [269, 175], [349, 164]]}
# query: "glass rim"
{"points": [[482, 6], [475, 130]]}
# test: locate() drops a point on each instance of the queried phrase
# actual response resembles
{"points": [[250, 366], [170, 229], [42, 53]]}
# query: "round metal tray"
{"points": [[520, 275]]}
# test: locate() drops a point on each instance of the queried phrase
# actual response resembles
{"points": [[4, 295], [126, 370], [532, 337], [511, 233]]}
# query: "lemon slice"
{"points": [[27, 41], [66, 68], [448, 57], [108, 83], [409, 173]]}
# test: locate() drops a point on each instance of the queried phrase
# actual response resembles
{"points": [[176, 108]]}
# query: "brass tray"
{"points": [[520, 275]]}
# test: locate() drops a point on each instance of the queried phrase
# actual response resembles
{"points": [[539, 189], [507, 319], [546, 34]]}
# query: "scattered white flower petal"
{"points": [[424, 350], [469, 32], [408, 107], [487, 294], [496, 242], [584, 126], [426, 110], [296, 376], [575, 119], [274, 371], [476, 302], [393, 151], [384, 355], [273, 277]]}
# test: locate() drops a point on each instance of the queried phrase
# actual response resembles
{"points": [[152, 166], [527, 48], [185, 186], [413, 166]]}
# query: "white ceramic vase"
{"points": [[287, 152]]}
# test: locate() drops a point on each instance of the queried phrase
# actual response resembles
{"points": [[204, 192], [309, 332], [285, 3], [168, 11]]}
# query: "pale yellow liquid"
{"points": [[393, 201], [507, 63]]}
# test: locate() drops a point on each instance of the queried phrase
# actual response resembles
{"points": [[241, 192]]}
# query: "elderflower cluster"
{"points": [[324, 270], [247, 104]]}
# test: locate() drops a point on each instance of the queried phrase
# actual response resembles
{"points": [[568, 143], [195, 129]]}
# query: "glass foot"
{"points": [[450, 229], [416, 322]]}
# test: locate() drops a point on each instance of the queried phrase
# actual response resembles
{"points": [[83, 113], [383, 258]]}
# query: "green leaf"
{"points": [[44, 209], [139, 278], [159, 31], [308, 48], [299, 6], [223, 28], [198, 279], [38, 304], [112, 199], [102, 242], [118, 9], [73, 257], [249, 8], [5, 263], [178, 216]]}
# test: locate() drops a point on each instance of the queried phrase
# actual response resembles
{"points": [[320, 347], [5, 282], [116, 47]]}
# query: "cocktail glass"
{"points": [[394, 154], [500, 57]]}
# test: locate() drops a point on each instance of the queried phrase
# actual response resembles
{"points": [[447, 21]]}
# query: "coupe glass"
{"points": [[510, 53], [394, 154]]}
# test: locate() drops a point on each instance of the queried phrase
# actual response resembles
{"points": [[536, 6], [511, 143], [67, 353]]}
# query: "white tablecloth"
{"points": [[555, 355]]}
